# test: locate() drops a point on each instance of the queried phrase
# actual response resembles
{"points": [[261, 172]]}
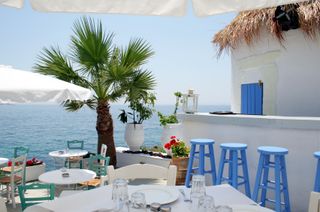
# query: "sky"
{"points": [[184, 56]]}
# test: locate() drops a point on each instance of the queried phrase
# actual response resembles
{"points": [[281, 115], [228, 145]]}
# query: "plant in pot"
{"points": [[170, 123], [141, 110], [179, 152]]}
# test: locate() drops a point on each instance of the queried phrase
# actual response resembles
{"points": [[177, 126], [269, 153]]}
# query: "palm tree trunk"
{"points": [[104, 129]]}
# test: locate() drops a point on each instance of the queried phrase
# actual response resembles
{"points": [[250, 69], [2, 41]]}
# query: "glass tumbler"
{"points": [[198, 190], [206, 204], [138, 202], [120, 194]]}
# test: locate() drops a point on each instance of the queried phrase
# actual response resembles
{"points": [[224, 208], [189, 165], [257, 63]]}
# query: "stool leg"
{"points": [[258, 179], [245, 172], [213, 165], [265, 180], [221, 166], [190, 164], [285, 184], [230, 168], [317, 179], [201, 159], [234, 168], [278, 187]]}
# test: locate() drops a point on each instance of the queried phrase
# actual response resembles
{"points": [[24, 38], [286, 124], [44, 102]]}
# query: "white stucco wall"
{"points": [[290, 73], [300, 135]]}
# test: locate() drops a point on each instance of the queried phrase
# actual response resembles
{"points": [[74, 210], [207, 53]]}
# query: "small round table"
{"points": [[68, 153], [3, 161], [75, 176]]}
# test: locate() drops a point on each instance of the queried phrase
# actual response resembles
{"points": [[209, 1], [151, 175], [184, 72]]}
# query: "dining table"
{"points": [[67, 154], [67, 176], [100, 199]]}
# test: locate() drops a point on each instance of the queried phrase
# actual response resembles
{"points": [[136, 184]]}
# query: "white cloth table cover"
{"points": [[75, 176], [101, 198], [69, 153], [3, 161], [147, 7]]}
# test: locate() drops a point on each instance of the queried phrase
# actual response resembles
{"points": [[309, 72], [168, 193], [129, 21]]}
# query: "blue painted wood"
{"points": [[233, 161], [244, 99], [201, 143], [317, 177], [252, 99], [280, 175]]}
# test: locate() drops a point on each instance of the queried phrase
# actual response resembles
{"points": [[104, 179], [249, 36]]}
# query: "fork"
{"points": [[185, 199]]}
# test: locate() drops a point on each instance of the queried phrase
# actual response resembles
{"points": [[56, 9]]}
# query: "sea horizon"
{"points": [[45, 128]]}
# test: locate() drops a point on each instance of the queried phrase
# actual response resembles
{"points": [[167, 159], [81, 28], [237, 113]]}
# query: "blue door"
{"points": [[252, 98]]}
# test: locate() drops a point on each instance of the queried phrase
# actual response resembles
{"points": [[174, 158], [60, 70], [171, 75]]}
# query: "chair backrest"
{"points": [[96, 165], [75, 144], [144, 171], [20, 150], [103, 150], [18, 168], [3, 207], [28, 201], [314, 205]]}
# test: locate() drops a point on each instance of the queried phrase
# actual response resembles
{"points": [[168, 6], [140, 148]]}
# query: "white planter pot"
{"points": [[170, 130], [134, 136], [33, 172]]}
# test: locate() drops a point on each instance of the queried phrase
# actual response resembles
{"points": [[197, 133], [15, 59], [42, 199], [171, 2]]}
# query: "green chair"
{"points": [[28, 201], [74, 144], [20, 150], [99, 165]]}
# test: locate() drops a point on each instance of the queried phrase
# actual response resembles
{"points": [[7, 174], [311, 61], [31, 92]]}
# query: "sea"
{"points": [[45, 128]]}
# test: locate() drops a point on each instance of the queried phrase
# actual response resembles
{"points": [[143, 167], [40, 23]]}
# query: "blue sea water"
{"points": [[45, 128]]}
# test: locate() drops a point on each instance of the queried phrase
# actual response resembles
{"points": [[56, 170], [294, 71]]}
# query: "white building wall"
{"points": [[300, 135], [290, 73]]}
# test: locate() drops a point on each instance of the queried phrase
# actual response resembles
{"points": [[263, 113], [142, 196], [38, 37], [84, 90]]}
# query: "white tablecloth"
{"points": [[68, 153], [75, 176], [99, 198]]}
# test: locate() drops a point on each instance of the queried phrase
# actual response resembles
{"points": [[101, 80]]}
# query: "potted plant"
{"points": [[170, 123], [34, 168], [141, 109], [180, 157]]}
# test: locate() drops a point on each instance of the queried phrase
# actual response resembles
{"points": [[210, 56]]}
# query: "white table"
{"points": [[68, 153], [99, 198], [3, 161], [75, 176]]}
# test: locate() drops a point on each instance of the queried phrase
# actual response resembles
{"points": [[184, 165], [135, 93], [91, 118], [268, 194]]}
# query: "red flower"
{"points": [[173, 137], [10, 163], [167, 146], [173, 142], [29, 163]]}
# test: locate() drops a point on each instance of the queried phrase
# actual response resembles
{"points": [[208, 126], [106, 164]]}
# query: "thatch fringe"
{"points": [[247, 25]]}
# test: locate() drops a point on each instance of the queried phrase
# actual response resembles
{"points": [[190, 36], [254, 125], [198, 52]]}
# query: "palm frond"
{"points": [[136, 53], [75, 105], [91, 47], [53, 62]]}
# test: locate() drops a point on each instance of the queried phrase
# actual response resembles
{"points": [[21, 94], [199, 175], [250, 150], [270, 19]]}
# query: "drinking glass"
{"points": [[120, 194], [198, 190], [138, 202], [206, 204]]}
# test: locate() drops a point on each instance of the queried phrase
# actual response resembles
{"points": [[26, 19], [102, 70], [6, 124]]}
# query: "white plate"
{"points": [[156, 193], [249, 208]]}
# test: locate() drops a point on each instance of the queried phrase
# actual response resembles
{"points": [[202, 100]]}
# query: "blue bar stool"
{"points": [[233, 162], [280, 183], [317, 179], [201, 155]]}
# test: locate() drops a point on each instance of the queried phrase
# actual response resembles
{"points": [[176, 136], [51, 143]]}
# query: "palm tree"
{"points": [[109, 71]]}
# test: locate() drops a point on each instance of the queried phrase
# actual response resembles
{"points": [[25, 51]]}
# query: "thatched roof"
{"points": [[247, 25]]}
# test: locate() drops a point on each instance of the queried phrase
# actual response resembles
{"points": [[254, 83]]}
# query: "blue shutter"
{"points": [[252, 98]]}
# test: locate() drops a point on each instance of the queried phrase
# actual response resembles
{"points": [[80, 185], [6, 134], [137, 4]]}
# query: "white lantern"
{"points": [[190, 102]]}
